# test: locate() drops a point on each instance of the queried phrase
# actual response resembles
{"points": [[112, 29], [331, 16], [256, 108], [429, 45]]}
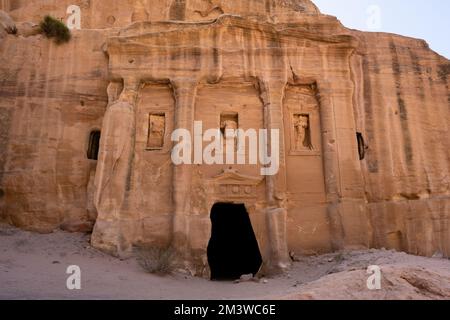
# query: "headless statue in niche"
{"points": [[302, 132], [156, 132], [229, 129], [229, 125]]}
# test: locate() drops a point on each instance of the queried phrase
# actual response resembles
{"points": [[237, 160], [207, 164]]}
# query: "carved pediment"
{"points": [[233, 176], [231, 185]]}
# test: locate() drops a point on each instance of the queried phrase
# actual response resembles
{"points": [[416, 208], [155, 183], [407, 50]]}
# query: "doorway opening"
{"points": [[233, 250]]}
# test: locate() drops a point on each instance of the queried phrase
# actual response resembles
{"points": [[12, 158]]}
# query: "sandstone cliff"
{"points": [[403, 109], [49, 94]]}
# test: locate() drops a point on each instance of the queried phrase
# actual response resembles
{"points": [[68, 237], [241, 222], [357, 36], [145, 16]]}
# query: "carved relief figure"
{"points": [[227, 125], [157, 125], [302, 132]]}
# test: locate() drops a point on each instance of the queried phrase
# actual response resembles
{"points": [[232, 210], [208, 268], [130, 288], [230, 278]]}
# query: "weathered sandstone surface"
{"points": [[270, 64]]}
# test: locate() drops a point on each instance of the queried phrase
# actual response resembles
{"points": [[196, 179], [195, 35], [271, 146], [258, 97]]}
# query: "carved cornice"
{"points": [[143, 36], [231, 176]]}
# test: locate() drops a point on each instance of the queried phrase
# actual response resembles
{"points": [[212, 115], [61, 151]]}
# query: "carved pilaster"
{"points": [[184, 93], [331, 163], [272, 94]]}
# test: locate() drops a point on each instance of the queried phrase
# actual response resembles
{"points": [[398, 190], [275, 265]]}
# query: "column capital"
{"points": [[130, 90], [184, 86], [324, 91], [272, 90]]}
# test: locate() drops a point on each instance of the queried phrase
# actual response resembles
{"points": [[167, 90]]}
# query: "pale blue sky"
{"points": [[424, 19]]}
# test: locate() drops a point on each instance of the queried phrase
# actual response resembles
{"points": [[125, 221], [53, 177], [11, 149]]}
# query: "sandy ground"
{"points": [[33, 266]]}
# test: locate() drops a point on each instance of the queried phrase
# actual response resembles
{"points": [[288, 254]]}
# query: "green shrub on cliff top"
{"points": [[53, 28]]}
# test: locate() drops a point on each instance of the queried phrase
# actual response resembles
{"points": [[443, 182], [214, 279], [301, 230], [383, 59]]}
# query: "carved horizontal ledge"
{"points": [[223, 24], [232, 176], [155, 27], [234, 192], [137, 49], [312, 153], [140, 49]]}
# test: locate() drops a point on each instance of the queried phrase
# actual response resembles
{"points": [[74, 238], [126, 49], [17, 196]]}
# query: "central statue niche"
{"points": [[156, 131]]}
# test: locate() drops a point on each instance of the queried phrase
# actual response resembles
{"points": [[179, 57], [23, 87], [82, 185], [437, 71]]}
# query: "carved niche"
{"points": [[229, 123], [156, 131], [302, 121]]}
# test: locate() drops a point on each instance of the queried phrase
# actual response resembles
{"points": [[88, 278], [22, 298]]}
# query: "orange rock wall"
{"points": [[404, 110], [51, 98]]}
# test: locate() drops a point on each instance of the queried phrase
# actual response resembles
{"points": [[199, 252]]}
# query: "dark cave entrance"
{"points": [[233, 250], [94, 145]]}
